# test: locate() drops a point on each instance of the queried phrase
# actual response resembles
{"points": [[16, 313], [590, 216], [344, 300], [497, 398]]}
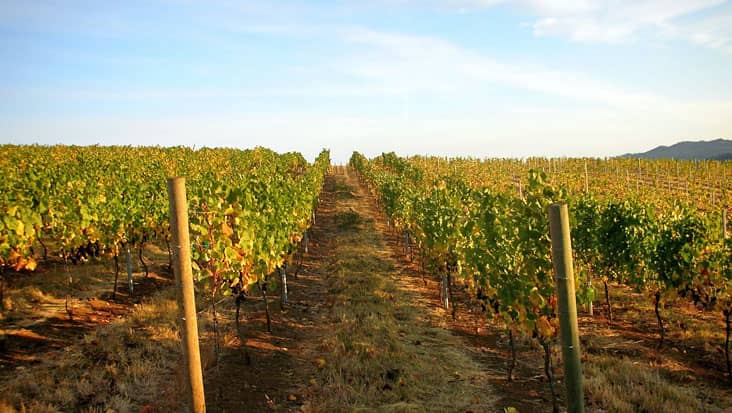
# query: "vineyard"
{"points": [[477, 225], [402, 284], [250, 211]]}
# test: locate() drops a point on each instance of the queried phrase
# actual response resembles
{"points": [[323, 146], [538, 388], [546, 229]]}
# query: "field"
{"points": [[366, 326]]}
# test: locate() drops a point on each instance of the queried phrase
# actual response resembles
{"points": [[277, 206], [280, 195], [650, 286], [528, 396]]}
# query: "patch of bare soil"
{"points": [[41, 321]]}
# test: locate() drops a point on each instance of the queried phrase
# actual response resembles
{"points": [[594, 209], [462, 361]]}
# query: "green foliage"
{"points": [[498, 244], [247, 209], [467, 213]]}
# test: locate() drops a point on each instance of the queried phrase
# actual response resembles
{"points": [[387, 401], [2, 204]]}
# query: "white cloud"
{"points": [[561, 7], [615, 21], [607, 117], [713, 32], [418, 63]]}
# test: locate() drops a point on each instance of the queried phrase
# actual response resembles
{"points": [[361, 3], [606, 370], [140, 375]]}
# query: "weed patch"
{"points": [[348, 220]]}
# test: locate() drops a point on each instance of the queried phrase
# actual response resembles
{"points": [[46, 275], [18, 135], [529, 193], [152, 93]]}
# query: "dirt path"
{"points": [[355, 334]]}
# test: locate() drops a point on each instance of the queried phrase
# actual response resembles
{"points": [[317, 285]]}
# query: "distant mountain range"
{"points": [[719, 149]]}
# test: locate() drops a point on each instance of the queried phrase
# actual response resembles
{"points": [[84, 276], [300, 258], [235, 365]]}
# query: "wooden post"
{"points": [[590, 308], [587, 179], [724, 224], [283, 279], [185, 294], [564, 277], [445, 297]]}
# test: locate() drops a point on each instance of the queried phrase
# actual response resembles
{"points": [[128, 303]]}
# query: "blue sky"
{"points": [[481, 78]]}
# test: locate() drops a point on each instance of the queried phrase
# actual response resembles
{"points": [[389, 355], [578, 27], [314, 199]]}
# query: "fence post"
{"points": [[564, 277], [445, 290], [185, 294], [283, 279]]}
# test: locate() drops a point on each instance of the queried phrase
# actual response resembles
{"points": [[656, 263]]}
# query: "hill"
{"points": [[720, 149]]}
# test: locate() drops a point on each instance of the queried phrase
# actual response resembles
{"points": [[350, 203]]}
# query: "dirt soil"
{"points": [[45, 323]]}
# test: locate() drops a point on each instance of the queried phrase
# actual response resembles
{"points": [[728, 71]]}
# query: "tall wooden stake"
{"points": [[283, 279], [185, 293], [564, 276]]}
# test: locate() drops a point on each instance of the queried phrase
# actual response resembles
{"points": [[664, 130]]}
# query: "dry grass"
{"points": [[682, 321], [122, 366], [19, 300], [626, 372], [622, 385], [43, 293], [380, 355]]}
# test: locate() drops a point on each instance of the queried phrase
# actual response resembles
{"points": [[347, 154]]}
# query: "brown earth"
{"points": [[46, 323]]}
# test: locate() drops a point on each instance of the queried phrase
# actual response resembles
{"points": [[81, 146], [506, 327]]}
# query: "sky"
{"points": [[480, 78]]}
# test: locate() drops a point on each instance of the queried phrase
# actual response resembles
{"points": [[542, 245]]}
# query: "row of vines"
{"points": [[249, 209], [474, 224]]}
